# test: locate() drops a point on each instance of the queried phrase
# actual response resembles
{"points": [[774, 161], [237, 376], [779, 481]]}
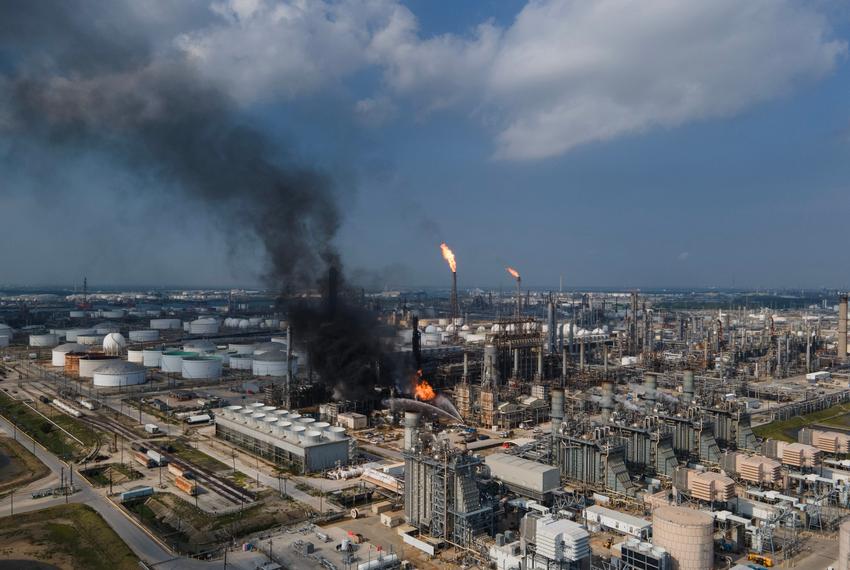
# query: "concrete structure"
{"points": [[842, 328], [528, 478], [352, 420], [117, 373], [687, 534], [302, 449], [205, 367]]}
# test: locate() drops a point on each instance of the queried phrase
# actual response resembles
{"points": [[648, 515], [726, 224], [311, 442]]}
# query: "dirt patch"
{"points": [[66, 536], [18, 467]]}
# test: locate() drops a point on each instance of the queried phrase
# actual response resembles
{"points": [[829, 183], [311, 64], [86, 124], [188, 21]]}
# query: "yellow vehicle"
{"points": [[765, 561]]}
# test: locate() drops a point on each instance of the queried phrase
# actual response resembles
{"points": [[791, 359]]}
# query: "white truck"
{"points": [[151, 428]]}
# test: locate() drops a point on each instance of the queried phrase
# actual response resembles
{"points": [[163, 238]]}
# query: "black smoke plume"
{"points": [[70, 83]]}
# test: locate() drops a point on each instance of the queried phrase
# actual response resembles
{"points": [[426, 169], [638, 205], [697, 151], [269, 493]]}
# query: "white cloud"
{"points": [[563, 74]]}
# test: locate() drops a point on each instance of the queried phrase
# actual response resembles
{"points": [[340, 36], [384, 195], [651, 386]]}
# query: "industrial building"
{"points": [[284, 438]]}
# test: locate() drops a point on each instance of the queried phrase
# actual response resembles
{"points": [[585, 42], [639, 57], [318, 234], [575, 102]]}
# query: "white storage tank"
{"points": [[114, 343], [200, 346], [241, 348], [172, 360], [241, 362], [152, 357], [166, 324], [204, 325], [44, 340], [72, 334], [136, 355], [58, 353], [90, 339], [271, 363], [687, 534], [119, 373], [90, 363], [201, 367], [77, 314], [106, 328], [146, 335], [263, 347], [114, 314]]}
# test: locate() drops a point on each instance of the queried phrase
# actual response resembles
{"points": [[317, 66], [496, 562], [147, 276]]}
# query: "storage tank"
{"points": [[4, 341], [201, 346], [136, 355], [241, 348], [106, 328], [166, 324], [77, 314], [90, 339], [263, 347], [72, 334], [152, 357], [90, 363], [114, 343], [58, 353], [172, 360], [44, 340], [113, 314], [687, 534], [119, 373], [844, 545], [206, 367], [241, 362], [204, 325], [271, 363], [146, 335]]}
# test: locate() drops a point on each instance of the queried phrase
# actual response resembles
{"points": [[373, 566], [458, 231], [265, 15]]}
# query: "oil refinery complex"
{"points": [[533, 429]]}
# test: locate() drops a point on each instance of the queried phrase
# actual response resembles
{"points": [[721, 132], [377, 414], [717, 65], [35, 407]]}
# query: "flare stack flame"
{"points": [[515, 274], [449, 256]]}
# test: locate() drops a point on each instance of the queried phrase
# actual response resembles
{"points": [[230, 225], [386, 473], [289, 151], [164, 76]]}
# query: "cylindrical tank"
{"points": [[201, 367], [118, 373], [231, 411], [411, 430], [244, 415], [92, 362], [136, 355], [58, 353], [335, 433], [207, 325], [72, 334], [106, 328], [172, 361], [147, 335], [557, 412], [201, 346], [320, 426], [269, 422], [649, 383], [44, 340], [688, 386], [241, 348], [607, 403], [271, 363], [311, 436], [166, 324], [256, 418], [114, 343], [113, 314], [152, 357], [687, 534], [844, 545], [284, 427], [241, 362], [77, 314], [90, 339], [296, 432]]}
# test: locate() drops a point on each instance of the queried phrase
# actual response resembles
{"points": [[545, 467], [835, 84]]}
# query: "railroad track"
{"points": [[230, 491]]}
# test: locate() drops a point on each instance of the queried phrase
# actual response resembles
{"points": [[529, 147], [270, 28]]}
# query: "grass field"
{"points": [[22, 468], [185, 451], [70, 536], [786, 430], [46, 433]]}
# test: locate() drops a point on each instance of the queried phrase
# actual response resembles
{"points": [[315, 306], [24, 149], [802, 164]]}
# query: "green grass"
{"points": [[784, 430], [183, 450], [46, 433], [73, 530]]}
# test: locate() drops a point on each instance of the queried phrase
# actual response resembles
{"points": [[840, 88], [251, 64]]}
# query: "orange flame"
{"points": [[423, 390], [449, 256], [514, 273]]}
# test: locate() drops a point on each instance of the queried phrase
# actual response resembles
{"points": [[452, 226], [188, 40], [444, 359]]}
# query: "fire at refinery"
{"points": [[422, 389], [513, 272], [449, 256]]}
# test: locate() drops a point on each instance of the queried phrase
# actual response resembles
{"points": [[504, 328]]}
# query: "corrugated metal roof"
{"points": [[618, 516]]}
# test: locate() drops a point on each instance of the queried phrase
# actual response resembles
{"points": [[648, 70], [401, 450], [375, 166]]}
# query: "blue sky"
{"points": [[686, 144]]}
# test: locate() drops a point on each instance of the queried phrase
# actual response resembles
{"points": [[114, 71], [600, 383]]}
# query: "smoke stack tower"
{"points": [[449, 256], [518, 296], [607, 403], [557, 412], [553, 339], [649, 383], [688, 387], [455, 309], [842, 328], [411, 430]]}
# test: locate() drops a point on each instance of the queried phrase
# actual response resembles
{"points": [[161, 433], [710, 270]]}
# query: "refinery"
{"points": [[521, 429]]}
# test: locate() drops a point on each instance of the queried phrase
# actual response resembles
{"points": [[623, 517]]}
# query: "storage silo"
{"points": [[152, 357], [166, 324], [241, 348], [118, 373], [200, 346], [113, 343], [271, 363], [844, 545], [90, 340], [106, 328], [204, 325], [58, 353], [146, 335], [72, 334], [136, 355], [90, 363], [687, 534], [263, 347], [172, 360], [241, 362], [44, 340], [201, 367]]}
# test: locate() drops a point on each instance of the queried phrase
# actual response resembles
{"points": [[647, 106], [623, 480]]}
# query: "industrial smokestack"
{"points": [[540, 364], [516, 363], [411, 430], [455, 309], [842, 328], [688, 387], [491, 371], [553, 339], [581, 354], [416, 341], [607, 403], [519, 296], [649, 383], [557, 412], [287, 398]]}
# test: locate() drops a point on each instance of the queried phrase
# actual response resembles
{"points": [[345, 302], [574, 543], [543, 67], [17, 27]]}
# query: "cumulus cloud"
{"points": [[564, 73]]}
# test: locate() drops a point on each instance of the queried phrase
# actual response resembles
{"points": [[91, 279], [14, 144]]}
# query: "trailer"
{"points": [[136, 493], [88, 404], [187, 486], [151, 428], [143, 459], [156, 457], [178, 471], [198, 419]]}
